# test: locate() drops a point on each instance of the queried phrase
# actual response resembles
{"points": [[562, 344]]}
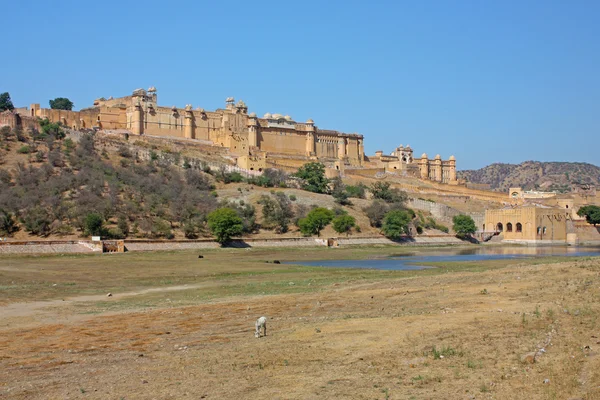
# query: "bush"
{"points": [[313, 177], [463, 225], [339, 193], [5, 132], [343, 224], [125, 152], [277, 211], [37, 221], [315, 221], [292, 197], [224, 223], [382, 190], [8, 224], [115, 233], [123, 225], [396, 223], [5, 176], [93, 224], [357, 191], [376, 212], [50, 129], [24, 150]]}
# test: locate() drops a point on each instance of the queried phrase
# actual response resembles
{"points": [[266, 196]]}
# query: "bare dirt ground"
{"points": [[454, 334]]}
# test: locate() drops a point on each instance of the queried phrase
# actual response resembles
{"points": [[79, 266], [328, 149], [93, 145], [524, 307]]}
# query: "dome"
{"points": [[277, 116], [287, 118], [438, 157], [452, 158], [310, 121], [267, 116], [424, 155], [400, 147], [151, 89], [252, 115]]}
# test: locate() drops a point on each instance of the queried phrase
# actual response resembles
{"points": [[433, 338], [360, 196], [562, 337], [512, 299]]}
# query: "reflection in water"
{"points": [[412, 261]]}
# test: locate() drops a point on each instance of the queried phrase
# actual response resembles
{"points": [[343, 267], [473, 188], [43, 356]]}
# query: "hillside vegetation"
{"points": [[56, 183], [535, 175]]}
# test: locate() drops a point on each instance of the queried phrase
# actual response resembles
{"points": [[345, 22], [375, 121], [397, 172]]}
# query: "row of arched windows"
{"points": [[509, 227]]}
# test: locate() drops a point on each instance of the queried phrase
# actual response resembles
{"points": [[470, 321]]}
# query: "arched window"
{"points": [[499, 227], [544, 230], [519, 227], [539, 230], [567, 206], [509, 227]]}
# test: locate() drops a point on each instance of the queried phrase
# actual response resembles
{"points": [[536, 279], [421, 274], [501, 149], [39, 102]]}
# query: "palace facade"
{"points": [[251, 139]]}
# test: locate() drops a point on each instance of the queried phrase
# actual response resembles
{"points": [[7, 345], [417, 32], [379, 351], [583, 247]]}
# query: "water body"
{"points": [[413, 261]]}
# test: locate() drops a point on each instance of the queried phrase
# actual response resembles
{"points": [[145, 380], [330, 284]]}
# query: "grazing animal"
{"points": [[260, 323]]}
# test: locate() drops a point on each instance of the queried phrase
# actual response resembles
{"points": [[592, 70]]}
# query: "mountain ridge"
{"points": [[535, 175]]}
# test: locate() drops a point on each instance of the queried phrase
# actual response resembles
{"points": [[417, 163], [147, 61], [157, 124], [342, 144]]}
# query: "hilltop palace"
{"points": [[256, 143]]}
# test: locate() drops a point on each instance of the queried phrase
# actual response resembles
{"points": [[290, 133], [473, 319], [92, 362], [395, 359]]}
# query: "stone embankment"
{"points": [[69, 246], [49, 247]]}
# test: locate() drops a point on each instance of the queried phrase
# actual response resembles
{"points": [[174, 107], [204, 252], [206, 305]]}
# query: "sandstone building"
{"points": [[529, 224], [255, 142]]}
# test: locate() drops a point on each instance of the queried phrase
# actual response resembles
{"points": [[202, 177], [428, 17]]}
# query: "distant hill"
{"points": [[535, 175]]}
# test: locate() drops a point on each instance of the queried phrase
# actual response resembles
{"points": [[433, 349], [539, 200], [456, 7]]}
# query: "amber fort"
{"points": [[255, 142]]}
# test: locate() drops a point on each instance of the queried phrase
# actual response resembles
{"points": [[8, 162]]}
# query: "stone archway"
{"points": [[499, 227]]}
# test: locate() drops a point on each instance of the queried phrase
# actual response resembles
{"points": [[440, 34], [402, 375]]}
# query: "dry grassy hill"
{"points": [[546, 176], [142, 188]]}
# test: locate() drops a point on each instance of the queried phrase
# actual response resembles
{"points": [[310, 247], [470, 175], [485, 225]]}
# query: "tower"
{"points": [[341, 148], [252, 131], [189, 122], [424, 166], [310, 138]]}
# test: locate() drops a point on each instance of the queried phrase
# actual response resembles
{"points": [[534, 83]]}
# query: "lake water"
{"points": [[412, 261]]}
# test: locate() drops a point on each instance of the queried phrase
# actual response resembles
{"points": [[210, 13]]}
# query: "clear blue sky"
{"points": [[487, 81]]}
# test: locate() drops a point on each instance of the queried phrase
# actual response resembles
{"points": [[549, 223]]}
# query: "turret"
{"points": [[310, 138], [252, 130], [437, 168], [189, 122], [137, 118], [424, 166], [452, 169]]}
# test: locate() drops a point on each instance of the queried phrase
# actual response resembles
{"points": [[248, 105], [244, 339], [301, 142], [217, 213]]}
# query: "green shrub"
{"points": [[24, 150]]}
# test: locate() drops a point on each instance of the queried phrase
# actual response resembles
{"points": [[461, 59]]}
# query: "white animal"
{"points": [[260, 323]]}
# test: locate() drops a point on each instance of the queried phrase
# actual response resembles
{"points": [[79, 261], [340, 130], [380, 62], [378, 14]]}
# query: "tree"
{"points": [[37, 221], [376, 212], [395, 224], [61, 103], [224, 223], [8, 225], [278, 212], [51, 128], [357, 191], [382, 190], [463, 225], [338, 192], [315, 221], [343, 224], [6, 102], [591, 213], [93, 224], [313, 177]]}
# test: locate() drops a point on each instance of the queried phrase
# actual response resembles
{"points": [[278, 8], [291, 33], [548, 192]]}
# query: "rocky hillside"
{"points": [[535, 175]]}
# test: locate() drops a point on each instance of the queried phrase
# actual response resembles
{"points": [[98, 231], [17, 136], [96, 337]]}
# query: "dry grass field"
{"points": [[177, 326]]}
